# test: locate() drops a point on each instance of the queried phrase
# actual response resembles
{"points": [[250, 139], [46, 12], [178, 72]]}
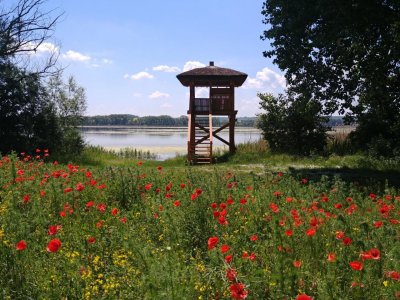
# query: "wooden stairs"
{"points": [[201, 147]]}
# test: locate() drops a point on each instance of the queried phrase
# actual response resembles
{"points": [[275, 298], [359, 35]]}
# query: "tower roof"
{"points": [[212, 76]]}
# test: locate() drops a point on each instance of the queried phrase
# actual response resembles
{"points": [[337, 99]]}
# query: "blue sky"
{"points": [[126, 54]]}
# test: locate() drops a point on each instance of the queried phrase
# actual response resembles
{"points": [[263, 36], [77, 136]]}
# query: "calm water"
{"points": [[165, 142]]}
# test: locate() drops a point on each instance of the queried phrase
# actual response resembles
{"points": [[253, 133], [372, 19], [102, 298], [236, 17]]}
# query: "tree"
{"points": [[69, 100], [346, 55], [292, 125], [24, 28], [28, 120]]}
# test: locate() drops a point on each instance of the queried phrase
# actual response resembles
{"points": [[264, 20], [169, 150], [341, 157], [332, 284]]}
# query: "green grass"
{"points": [[163, 230]]}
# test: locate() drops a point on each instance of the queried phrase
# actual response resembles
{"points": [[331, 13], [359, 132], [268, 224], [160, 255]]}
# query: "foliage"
{"points": [[292, 125], [28, 120], [163, 120], [70, 102], [153, 232], [346, 54]]}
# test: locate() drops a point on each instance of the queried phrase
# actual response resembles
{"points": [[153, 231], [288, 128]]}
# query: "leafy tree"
{"points": [[69, 100], [28, 120], [292, 125], [346, 55]]}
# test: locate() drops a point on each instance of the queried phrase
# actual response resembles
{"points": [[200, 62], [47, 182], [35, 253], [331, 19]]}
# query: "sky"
{"points": [[127, 53]]}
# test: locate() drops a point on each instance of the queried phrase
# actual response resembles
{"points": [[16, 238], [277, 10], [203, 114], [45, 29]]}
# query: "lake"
{"points": [[166, 142]]}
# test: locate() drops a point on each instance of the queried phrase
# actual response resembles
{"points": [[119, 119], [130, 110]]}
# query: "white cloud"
{"points": [[158, 94], [190, 65], [164, 68], [47, 47], [142, 75], [40, 49], [107, 61], [126, 76], [249, 107], [266, 79], [76, 56]]}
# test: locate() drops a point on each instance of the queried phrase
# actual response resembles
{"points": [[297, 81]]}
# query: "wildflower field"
{"points": [[140, 232]]}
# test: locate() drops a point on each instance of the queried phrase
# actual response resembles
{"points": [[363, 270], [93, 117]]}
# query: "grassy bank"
{"points": [[152, 230]]}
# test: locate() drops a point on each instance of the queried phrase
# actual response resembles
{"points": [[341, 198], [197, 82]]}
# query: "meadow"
{"points": [[153, 230]]}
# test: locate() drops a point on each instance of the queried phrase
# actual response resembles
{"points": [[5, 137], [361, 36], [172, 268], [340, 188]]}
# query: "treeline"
{"points": [[163, 120]]}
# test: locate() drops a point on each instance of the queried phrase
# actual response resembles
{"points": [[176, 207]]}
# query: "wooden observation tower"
{"points": [[221, 102]]}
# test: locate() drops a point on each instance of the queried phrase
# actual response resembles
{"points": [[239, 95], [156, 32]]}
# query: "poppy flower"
{"points": [[253, 238], [331, 257], [303, 297], [356, 265], [347, 241], [177, 203], [26, 198], [378, 224], [52, 229], [224, 248], [114, 211], [289, 232], [123, 220], [297, 263], [231, 274], [228, 259], [21, 245], [212, 242], [67, 190], [53, 245], [91, 240], [79, 187], [311, 231], [89, 204], [237, 291]]}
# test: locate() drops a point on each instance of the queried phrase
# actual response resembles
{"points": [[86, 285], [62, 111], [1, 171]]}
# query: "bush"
{"points": [[292, 125]]}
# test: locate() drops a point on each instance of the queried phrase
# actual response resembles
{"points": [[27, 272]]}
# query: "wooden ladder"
{"points": [[202, 147]]}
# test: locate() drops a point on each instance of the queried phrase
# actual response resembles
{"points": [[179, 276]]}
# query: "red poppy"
{"points": [[254, 238], [311, 231], [277, 193], [89, 204], [177, 203], [62, 214], [114, 211], [356, 265], [148, 186], [393, 275], [53, 229], [182, 185], [101, 207], [347, 241], [297, 263], [123, 220], [378, 224], [53, 245], [212, 242], [26, 198], [231, 274], [67, 190], [289, 232], [303, 297], [224, 248], [274, 208], [339, 235], [91, 240], [79, 187], [331, 257], [21, 245], [228, 259], [237, 291]]}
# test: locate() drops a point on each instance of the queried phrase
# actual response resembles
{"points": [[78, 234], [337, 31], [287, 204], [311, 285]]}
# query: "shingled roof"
{"points": [[212, 76]]}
